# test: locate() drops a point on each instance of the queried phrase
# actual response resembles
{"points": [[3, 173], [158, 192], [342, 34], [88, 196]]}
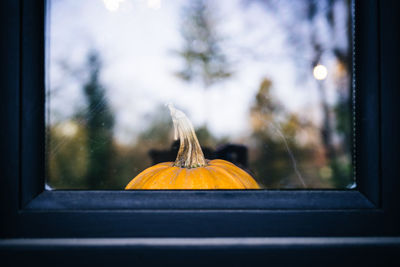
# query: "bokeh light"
{"points": [[112, 5], [154, 4], [320, 72]]}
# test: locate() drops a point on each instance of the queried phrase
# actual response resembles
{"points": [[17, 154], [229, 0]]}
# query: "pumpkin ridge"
{"points": [[238, 172], [235, 175], [147, 171], [200, 178], [148, 181], [239, 178], [143, 183], [185, 183], [227, 175], [138, 180], [179, 180], [176, 176], [144, 176], [222, 162], [242, 175], [212, 176]]}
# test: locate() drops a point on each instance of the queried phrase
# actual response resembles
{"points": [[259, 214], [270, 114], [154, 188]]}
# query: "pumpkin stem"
{"points": [[190, 154]]}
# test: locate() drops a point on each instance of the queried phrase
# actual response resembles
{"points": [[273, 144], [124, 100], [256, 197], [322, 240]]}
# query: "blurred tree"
{"points": [[66, 155], [320, 18], [276, 155], [159, 129], [206, 138], [341, 111], [202, 53], [80, 149], [99, 122]]}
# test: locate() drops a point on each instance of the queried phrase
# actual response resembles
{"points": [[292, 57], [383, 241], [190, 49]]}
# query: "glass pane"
{"points": [[266, 85]]}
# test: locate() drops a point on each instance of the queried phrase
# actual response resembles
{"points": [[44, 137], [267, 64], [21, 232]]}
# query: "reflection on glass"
{"points": [[266, 85]]}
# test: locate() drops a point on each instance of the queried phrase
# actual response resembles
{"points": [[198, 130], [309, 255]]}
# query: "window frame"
{"points": [[29, 211]]}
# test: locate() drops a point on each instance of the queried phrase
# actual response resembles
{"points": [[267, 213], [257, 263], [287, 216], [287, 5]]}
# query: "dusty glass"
{"points": [[266, 85]]}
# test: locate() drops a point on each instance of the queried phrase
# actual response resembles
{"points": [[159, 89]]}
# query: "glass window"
{"points": [[265, 84]]}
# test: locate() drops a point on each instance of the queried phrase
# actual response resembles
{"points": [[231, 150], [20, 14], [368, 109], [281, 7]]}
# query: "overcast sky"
{"points": [[136, 38]]}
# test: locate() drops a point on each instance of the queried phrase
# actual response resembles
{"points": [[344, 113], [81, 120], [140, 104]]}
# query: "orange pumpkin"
{"points": [[190, 169]]}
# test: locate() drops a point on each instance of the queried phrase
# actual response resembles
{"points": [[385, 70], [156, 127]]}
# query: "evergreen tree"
{"points": [[202, 53], [99, 126]]}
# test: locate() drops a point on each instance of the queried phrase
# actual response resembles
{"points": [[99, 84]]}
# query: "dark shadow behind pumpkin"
{"points": [[237, 154]]}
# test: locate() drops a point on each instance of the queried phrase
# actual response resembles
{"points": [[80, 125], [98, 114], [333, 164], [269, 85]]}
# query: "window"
{"points": [[30, 211], [234, 67]]}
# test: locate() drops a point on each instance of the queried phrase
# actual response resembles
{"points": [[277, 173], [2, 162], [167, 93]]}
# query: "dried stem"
{"points": [[190, 154]]}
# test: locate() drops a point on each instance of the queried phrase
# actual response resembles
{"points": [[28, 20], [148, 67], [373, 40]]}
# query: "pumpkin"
{"points": [[190, 169]]}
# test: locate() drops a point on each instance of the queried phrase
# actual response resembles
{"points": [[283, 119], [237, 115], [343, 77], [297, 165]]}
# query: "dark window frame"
{"points": [[28, 210]]}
